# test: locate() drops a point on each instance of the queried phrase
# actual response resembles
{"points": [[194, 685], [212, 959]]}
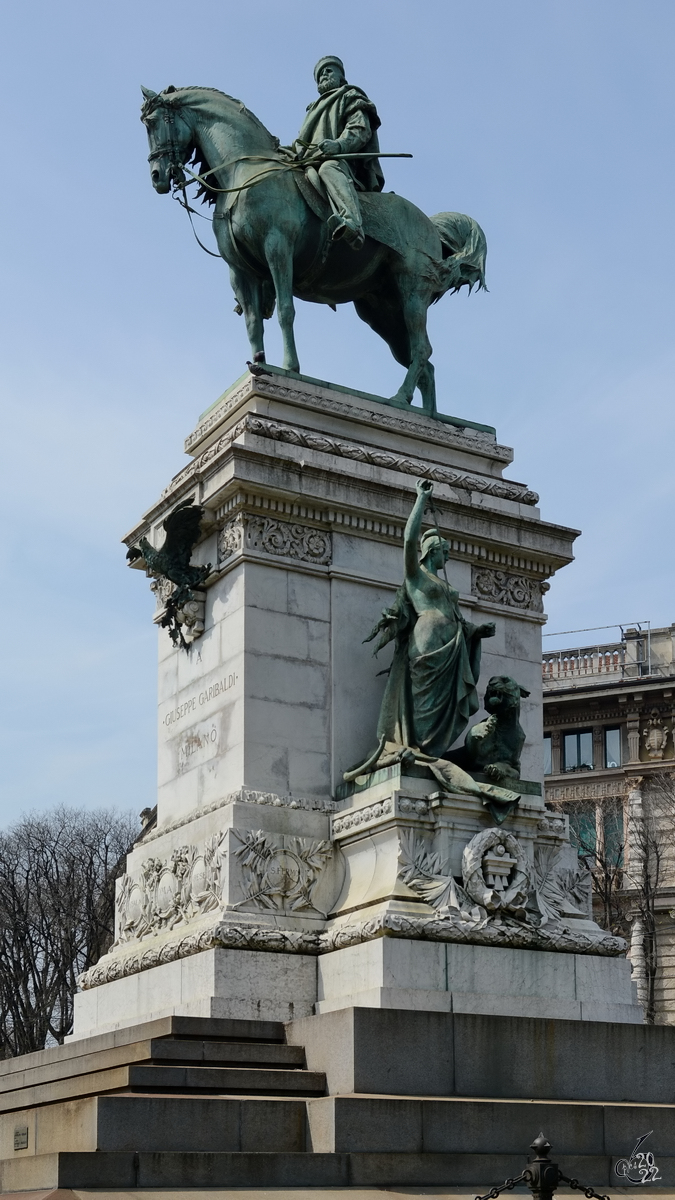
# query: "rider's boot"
{"points": [[346, 219]]}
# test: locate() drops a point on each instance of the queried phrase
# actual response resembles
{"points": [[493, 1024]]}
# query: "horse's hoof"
{"points": [[401, 399]]}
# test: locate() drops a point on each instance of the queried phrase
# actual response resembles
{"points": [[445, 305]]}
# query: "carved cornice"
{"points": [[219, 412], [282, 539], [513, 591], [440, 929], [435, 928], [244, 796], [387, 460], [432, 431], [292, 435]]}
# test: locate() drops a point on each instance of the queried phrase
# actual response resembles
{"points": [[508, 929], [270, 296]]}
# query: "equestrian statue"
{"points": [[311, 220]]}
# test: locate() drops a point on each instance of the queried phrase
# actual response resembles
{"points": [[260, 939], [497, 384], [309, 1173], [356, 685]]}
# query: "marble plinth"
{"points": [[261, 858], [307, 489], [488, 980], [243, 984]]}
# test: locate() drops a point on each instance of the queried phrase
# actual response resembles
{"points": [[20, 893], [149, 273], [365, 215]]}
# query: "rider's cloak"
{"points": [[338, 114]]}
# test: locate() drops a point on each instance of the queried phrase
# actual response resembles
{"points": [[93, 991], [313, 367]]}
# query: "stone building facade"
{"points": [[609, 754]]}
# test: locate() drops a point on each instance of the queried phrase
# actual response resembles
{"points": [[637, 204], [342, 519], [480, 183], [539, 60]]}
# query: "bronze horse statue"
{"points": [[271, 228]]}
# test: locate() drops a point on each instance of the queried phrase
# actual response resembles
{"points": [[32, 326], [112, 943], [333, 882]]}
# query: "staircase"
{"points": [[201, 1103]]}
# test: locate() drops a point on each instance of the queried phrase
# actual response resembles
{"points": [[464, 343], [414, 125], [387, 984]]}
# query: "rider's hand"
{"points": [[328, 146], [424, 487]]}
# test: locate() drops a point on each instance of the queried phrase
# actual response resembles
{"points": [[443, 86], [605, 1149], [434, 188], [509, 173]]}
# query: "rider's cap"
{"points": [[330, 58]]}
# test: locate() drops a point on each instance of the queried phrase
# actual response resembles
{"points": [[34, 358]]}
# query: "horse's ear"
{"points": [[148, 93], [523, 691]]}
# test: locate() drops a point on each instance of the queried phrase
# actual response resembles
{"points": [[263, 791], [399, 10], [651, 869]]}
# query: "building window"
{"points": [[612, 747], [548, 763], [583, 829], [596, 832], [614, 834], [578, 751]]}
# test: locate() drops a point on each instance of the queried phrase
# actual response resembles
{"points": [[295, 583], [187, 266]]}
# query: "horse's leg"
{"points": [[248, 291], [415, 317], [427, 385], [279, 255]]}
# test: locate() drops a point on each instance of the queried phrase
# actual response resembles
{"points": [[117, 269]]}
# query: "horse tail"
{"points": [[464, 252]]}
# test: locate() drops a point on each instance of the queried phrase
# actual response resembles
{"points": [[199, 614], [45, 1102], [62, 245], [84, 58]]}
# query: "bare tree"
{"points": [[650, 828], [57, 878], [597, 832]]}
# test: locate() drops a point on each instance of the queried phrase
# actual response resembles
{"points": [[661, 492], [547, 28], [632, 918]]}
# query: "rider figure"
{"points": [[342, 121]]}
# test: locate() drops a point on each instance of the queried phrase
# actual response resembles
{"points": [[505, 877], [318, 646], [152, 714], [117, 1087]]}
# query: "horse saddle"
{"points": [[381, 221]]}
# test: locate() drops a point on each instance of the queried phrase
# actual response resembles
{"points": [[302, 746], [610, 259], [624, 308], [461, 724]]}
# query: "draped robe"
{"points": [[429, 698]]}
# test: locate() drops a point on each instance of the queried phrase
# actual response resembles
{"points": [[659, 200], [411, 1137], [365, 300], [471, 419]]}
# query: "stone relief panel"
{"points": [[171, 891], [286, 539], [514, 591], [276, 873], [285, 874], [562, 883], [502, 890]]}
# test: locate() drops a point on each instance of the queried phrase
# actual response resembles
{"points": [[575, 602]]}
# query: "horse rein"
{"points": [[177, 168]]}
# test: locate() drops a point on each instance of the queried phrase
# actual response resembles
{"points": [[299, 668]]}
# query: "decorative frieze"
{"points": [[357, 818], [477, 442], [268, 535], [280, 873], [215, 416], [618, 786], [170, 891], [362, 816], [293, 435], [513, 591], [502, 889], [436, 928], [386, 460]]}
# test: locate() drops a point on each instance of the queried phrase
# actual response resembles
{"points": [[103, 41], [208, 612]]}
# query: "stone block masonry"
{"points": [[265, 881]]}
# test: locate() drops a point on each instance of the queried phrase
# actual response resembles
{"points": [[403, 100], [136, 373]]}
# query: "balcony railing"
{"points": [[564, 666]]}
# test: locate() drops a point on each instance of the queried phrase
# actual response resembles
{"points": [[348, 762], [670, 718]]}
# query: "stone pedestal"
{"points": [[266, 880]]}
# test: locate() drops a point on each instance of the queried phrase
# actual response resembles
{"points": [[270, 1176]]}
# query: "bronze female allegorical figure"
{"points": [[431, 689]]}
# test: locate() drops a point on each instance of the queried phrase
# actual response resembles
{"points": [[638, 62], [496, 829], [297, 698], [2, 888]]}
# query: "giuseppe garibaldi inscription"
{"points": [[195, 702]]}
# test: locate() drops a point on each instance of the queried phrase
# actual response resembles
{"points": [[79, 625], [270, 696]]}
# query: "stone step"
{"points": [[412, 1125], [145, 1077], [156, 1123], [181, 1169], [425, 1053], [158, 1050], [267, 1054], [241, 1080], [332, 1124], [78, 1055]]}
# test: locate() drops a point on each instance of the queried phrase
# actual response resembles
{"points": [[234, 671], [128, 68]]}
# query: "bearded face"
{"points": [[330, 78]]}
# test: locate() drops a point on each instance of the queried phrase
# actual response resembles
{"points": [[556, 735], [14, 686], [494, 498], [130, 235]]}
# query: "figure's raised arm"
{"points": [[413, 527]]}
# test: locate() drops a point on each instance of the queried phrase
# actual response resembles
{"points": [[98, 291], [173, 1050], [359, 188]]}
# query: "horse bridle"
{"points": [[169, 149]]}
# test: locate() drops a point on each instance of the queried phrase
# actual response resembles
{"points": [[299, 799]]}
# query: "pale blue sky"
{"points": [[549, 122]]}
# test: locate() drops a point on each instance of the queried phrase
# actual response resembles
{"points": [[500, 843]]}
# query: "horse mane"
{"points": [[209, 100]]}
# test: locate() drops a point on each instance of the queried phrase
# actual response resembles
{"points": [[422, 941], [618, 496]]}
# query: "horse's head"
{"points": [[169, 135]]}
